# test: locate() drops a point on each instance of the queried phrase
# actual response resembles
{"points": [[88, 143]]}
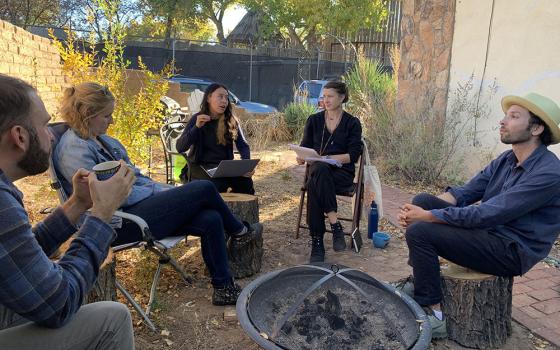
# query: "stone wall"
{"points": [[33, 59], [427, 37]]}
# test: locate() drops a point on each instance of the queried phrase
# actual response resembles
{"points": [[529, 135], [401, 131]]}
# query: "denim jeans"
{"points": [[195, 209], [478, 249]]}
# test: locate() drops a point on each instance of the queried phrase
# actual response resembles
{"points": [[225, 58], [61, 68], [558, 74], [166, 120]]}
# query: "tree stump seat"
{"points": [[105, 287], [477, 306], [244, 260]]}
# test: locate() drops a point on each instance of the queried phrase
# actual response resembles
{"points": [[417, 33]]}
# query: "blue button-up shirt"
{"points": [[32, 287], [517, 202]]}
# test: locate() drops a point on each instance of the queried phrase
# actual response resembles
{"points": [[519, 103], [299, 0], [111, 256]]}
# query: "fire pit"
{"points": [[330, 307]]}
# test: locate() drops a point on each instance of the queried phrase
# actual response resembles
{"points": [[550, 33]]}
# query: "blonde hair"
{"points": [[231, 127], [82, 102]]}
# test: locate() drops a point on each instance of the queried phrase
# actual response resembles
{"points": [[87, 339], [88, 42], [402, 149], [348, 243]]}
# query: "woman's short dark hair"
{"points": [[546, 135], [15, 102], [339, 87]]}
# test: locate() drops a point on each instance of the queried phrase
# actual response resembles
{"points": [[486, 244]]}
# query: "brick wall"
{"points": [[33, 59]]}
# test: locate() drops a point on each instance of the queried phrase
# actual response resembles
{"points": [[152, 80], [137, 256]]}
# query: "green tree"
{"points": [[214, 11], [180, 28], [303, 21], [29, 12], [135, 111]]}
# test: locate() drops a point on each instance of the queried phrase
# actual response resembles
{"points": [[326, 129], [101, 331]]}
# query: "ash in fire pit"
{"points": [[338, 319], [316, 307]]}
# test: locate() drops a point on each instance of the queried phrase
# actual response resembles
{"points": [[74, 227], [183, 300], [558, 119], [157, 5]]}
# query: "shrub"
{"points": [[135, 111], [262, 131], [295, 116], [418, 145]]}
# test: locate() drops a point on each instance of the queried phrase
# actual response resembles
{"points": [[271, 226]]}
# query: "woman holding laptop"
{"points": [[335, 135], [209, 137]]}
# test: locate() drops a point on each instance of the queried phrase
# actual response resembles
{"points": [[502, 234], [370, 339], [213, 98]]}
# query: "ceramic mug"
{"points": [[106, 170]]}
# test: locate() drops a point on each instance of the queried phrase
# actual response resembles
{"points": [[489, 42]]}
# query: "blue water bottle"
{"points": [[372, 220]]}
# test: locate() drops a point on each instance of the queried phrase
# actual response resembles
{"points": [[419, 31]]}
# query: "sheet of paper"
{"points": [[304, 152]]}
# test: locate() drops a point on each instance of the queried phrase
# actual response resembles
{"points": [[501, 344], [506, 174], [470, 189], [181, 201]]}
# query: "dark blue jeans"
{"points": [[196, 209], [478, 249]]}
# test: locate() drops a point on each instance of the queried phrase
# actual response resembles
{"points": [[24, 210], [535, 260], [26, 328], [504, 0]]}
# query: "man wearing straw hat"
{"points": [[517, 220]]}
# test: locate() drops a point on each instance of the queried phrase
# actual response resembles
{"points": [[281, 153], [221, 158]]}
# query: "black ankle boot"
{"points": [[338, 240], [317, 248]]}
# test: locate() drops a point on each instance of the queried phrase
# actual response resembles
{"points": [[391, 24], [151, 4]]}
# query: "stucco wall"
{"points": [[517, 44]]}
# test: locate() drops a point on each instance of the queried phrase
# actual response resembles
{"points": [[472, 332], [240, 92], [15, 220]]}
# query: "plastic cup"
{"points": [[381, 239]]}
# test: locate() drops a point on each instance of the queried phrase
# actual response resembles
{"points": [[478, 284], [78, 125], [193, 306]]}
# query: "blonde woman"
{"points": [[196, 208], [209, 138]]}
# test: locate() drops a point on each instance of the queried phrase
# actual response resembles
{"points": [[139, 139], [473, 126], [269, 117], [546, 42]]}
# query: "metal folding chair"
{"points": [[174, 160], [355, 191], [159, 247]]}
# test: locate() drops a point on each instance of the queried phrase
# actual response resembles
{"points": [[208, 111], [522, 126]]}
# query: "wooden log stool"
{"points": [[244, 260], [105, 287], [477, 306]]}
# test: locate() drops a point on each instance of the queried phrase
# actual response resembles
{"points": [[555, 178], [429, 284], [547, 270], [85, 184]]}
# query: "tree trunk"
{"points": [[477, 307], [104, 288], [245, 259], [244, 206]]}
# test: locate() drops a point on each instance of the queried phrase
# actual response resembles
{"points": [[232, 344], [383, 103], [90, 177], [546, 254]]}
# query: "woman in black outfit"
{"points": [[209, 137], [334, 134]]}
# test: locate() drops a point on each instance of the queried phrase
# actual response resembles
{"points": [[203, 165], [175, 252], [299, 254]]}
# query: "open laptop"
{"points": [[232, 168]]}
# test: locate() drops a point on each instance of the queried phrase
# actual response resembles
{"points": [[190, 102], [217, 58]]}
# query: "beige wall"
{"points": [[523, 56]]}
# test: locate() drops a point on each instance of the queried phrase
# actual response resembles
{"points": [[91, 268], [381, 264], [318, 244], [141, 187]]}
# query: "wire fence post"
{"points": [[318, 62], [251, 71]]}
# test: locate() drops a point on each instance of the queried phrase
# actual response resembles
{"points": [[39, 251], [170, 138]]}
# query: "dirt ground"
{"points": [[185, 316]]}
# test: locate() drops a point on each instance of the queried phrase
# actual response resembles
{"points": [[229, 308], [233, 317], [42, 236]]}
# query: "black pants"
{"points": [[323, 182], [239, 184], [478, 249]]}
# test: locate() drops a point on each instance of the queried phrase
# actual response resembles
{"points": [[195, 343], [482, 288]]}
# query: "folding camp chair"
{"points": [[355, 191], [174, 160], [159, 247]]}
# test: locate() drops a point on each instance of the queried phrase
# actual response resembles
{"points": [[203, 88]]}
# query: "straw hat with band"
{"points": [[541, 106]]}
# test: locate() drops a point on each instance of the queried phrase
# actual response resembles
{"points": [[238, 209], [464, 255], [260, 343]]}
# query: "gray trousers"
{"points": [[103, 325]]}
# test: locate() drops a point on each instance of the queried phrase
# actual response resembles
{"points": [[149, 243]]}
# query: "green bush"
{"points": [[295, 116], [135, 111], [416, 146]]}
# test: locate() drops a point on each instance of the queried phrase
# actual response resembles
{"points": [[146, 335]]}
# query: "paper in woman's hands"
{"points": [[310, 155]]}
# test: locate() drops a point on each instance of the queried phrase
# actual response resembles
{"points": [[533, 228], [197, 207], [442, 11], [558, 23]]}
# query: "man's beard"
{"points": [[519, 138], [35, 160]]}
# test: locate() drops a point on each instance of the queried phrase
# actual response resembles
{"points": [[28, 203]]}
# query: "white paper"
{"points": [[304, 152]]}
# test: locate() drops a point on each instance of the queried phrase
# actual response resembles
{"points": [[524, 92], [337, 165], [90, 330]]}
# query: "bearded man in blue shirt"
{"points": [[41, 300], [504, 220]]}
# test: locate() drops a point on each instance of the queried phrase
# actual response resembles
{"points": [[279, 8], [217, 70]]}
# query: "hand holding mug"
{"points": [[108, 195]]}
